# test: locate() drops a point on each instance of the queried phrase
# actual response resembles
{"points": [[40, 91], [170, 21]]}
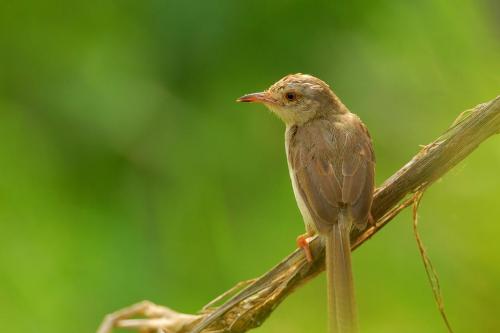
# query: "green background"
{"points": [[128, 172]]}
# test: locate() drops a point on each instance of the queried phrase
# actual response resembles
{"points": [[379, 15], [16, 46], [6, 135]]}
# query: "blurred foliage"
{"points": [[129, 173]]}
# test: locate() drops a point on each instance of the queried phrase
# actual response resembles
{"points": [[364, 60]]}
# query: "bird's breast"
{"points": [[306, 215]]}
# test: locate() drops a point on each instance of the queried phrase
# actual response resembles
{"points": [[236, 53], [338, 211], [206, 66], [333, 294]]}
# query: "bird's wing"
{"points": [[333, 165]]}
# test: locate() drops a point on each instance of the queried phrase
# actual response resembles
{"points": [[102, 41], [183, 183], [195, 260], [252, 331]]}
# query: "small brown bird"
{"points": [[332, 167]]}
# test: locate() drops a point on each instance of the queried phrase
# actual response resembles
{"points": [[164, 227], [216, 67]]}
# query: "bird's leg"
{"points": [[371, 221], [303, 243]]}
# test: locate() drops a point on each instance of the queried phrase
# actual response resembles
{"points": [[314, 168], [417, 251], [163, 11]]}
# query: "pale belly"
{"points": [[308, 221]]}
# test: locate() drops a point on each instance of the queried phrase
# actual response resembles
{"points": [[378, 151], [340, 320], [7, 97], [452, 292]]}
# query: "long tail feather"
{"points": [[342, 305]]}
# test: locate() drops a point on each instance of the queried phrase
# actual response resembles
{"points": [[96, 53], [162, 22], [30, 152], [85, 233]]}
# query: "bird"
{"points": [[332, 167]]}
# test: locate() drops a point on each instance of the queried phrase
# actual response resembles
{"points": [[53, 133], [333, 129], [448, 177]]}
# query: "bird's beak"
{"points": [[260, 97]]}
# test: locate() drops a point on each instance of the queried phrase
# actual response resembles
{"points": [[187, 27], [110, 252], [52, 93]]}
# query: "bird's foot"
{"points": [[371, 221], [303, 243]]}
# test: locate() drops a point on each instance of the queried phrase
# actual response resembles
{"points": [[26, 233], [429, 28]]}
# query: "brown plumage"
{"points": [[331, 164]]}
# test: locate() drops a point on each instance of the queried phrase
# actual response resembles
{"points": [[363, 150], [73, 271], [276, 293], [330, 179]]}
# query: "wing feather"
{"points": [[333, 165]]}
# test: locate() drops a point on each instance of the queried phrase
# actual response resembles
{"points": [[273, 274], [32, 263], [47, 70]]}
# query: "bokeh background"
{"points": [[128, 172]]}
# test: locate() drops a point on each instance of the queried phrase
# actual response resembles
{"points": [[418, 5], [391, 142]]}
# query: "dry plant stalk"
{"points": [[249, 307], [432, 275]]}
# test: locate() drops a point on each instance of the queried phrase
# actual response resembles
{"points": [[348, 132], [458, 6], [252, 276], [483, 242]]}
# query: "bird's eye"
{"points": [[291, 96]]}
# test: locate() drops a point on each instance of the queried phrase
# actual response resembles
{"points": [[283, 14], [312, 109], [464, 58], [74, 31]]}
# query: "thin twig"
{"points": [[432, 275]]}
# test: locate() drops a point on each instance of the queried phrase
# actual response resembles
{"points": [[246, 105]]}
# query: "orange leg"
{"points": [[303, 243]]}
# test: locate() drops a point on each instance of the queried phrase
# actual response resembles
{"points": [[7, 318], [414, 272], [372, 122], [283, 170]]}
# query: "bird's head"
{"points": [[298, 98]]}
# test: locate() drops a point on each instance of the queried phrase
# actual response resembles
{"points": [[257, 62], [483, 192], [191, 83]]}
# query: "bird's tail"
{"points": [[341, 303]]}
